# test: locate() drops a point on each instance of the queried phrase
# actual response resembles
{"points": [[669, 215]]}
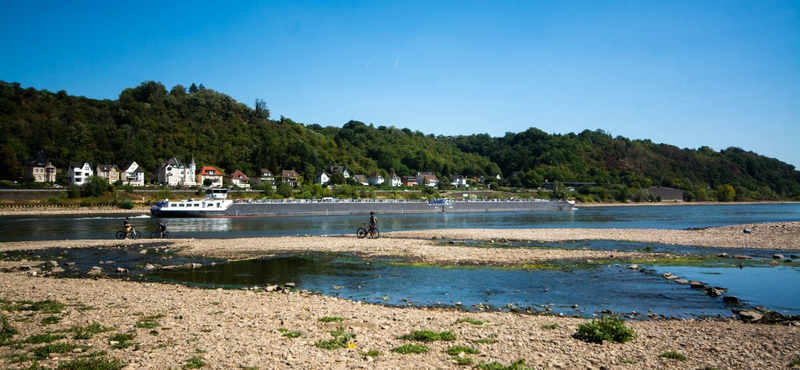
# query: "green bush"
{"points": [[125, 204], [429, 336], [411, 348], [606, 328], [673, 355]]}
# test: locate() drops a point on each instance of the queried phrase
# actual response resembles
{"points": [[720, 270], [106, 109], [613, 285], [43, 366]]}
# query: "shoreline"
{"points": [[171, 325]]}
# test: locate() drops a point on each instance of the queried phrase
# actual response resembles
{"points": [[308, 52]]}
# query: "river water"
{"points": [[603, 286]]}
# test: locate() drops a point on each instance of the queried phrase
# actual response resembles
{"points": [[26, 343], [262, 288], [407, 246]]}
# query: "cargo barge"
{"points": [[217, 204]]}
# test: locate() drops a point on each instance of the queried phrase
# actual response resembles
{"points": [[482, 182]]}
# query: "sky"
{"points": [[687, 73]]}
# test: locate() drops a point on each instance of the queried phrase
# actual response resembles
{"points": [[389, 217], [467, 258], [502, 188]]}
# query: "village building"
{"points": [[239, 180], [265, 176], [110, 172], [132, 174], [291, 177], [361, 180], [40, 169], [176, 173], [79, 172], [212, 174], [375, 179]]}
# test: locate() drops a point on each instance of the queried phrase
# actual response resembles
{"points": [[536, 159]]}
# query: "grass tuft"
{"points": [[455, 350], [429, 336], [517, 365], [470, 320], [491, 340], [331, 319], [88, 331], [96, 363], [411, 348], [673, 355], [340, 340], [6, 330], [44, 352], [194, 362], [49, 320], [550, 326], [43, 338], [606, 328]]}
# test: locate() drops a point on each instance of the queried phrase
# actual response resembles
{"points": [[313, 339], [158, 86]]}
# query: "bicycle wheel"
{"points": [[166, 235], [120, 235], [361, 233], [154, 235], [135, 234], [375, 234]]}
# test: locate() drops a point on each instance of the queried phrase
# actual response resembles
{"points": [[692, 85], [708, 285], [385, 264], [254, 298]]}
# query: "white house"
{"points": [[239, 179], [395, 181], [458, 181], [375, 179], [132, 174], [173, 173], [322, 178], [427, 179], [79, 172], [332, 170], [40, 169]]}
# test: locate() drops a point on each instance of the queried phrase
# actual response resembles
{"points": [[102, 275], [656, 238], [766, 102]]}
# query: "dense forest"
{"points": [[149, 124]]}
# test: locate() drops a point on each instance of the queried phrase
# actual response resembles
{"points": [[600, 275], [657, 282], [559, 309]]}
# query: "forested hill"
{"points": [[149, 124]]}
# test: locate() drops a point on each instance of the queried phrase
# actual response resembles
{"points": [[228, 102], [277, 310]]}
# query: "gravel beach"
{"points": [[171, 326]]}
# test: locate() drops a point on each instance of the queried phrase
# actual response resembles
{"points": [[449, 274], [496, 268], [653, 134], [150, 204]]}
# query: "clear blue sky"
{"points": [[687, 73]]}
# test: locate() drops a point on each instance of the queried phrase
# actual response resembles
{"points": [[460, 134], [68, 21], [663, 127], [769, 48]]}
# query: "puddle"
{"points": [[594, 288]]}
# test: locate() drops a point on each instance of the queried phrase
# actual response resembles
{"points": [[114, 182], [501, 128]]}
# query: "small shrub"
{"points": [[88, 331], [518, 365], [411, 348], [194, 363], [673, 355], [606, 328], [331, 319], [49, 320], [340, 340], [374, 353], [550, 326], [125, 204], [122, 337], [470, 320], [6, 330], [491, 340], [292, 334], [429, 336], [454, 351], [463, 361], [44, 352], [43, 338], [97, 363]]}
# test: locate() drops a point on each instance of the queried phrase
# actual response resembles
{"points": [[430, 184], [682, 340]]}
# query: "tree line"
{"points": [[150, 124]]}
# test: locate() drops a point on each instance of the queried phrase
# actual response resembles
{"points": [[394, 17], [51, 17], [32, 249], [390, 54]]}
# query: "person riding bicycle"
{"points": [[127, 226], [161, 228], [372, 221]]}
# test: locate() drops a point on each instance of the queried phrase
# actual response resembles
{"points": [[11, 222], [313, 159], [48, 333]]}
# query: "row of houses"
{"points": [[174, 172]]}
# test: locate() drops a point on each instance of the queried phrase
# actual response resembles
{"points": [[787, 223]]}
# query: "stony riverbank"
{"points": [[167, 326]]}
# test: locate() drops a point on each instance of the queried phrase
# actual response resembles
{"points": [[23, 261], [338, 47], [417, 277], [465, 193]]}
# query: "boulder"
{"points": [[747, 231], [714, 291], [777, 256], [697, 285], [149, 267], [95, 271], [749, 315], [633, 267], [51, 264], [742, 257], [731, 299]]}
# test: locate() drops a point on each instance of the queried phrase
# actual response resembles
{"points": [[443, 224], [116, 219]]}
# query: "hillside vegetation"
{"points": [[149, 124]]}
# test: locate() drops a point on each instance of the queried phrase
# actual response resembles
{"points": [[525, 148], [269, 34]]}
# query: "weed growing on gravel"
{"points": [[49, 320], [795, 363], [463, 361], [492, 339], [429, 336], [606, 328], [550, 326], [122, 340], [88, 331], [331, 319], [194, 363], [149, 322], [43, 338], [673, 355], [6, 330], [18, 358], [470, 320], [374, 353], [98, 363], [517, 365], [44, 352], [340, 340], [46, 306], [411, 348], [455, 350], [290, 333]]}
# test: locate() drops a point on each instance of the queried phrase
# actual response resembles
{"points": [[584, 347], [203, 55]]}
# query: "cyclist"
{"points": [[161, 228], [372, 221], [127, 226]]}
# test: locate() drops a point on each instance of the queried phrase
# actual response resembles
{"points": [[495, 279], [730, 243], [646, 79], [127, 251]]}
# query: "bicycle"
{"points": [[366, 231], [134, 234], [154, 235]]}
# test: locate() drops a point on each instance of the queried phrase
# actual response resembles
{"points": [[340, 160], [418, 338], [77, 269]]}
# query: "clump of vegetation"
{"points": [[411, 348], [96, 363], [341, 339], [88, 331], [44, 352], [331, 319], [517, 365], [122, 340], [149, 322], [46, 306], [125, 204], [374, 353], [194, 362], [463, 361], [492, 339], [49, 320], [429, 336], [550, 326], [607, 328], [290, 333], [795, 363], [673, 355], [6, 330], [455, 350], [470, 320], [43, 338]]}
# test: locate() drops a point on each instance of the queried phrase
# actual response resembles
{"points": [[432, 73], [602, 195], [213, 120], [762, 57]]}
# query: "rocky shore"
{"points": [[157, 326]]}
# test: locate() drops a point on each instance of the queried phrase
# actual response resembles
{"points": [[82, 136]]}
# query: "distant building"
{"points": [[40, 169], [212, 174], [291, 177], [395, 181], [265, 176], [79, 172], [239, 179], [458, 181], [174, 172], [361, 180], [110, 172], [322, 178], [375, 179], [132, 174], [427, 179]]}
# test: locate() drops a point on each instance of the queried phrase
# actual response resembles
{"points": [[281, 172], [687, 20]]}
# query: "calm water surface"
{"points": [[656, 217]]}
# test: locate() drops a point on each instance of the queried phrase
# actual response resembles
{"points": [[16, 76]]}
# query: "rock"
{"points": [[747, 231], [749, 315], [788, 260], [682, 281], [271, 288], [714, 292], [723, 255], [697, 285], [95, 271], [794, 256], [149, 267], [574, 306], [633, 267], [51, 264], [69, 264], [777, 256], [290, 285], [741, 257], [731, 299], [122, 270]]}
